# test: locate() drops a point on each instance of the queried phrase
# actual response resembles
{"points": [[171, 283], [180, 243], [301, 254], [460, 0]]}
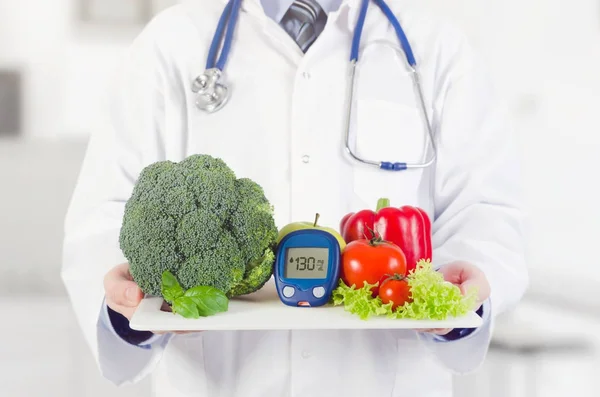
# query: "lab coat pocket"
{"points": [[391, 132]]}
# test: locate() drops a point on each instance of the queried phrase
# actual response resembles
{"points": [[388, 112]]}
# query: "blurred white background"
{"points": [[545, 59]]}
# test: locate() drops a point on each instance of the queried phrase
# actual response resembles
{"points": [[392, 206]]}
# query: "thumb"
{"points": [[473, 284], [120, 289], [467, 287], [133, 294]]}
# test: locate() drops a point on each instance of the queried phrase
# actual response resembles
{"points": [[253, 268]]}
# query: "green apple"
{"points": [[292, 227]]}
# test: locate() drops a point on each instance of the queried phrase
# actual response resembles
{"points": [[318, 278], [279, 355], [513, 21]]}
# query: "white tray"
{"points": [[263, 310]]}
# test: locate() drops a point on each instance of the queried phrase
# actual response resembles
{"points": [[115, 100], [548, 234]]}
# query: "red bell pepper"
{"points": [[408, 227]]}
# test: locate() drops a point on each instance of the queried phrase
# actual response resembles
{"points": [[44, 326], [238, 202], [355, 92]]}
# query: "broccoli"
{"points": [[198, 221]]}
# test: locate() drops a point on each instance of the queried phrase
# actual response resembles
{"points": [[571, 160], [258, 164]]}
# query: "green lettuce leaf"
{"points": [[360, 301], [433, 298]]}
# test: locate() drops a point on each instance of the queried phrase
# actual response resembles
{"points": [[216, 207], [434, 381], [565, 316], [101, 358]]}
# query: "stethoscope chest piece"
{"points": [[211, 94]]}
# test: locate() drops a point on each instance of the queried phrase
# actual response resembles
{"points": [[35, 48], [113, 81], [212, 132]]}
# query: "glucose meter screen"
{"points": [[307, 263]]}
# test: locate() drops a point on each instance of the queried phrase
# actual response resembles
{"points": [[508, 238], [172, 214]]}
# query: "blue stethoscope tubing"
{"points": [[227, 21], [213, 95]]}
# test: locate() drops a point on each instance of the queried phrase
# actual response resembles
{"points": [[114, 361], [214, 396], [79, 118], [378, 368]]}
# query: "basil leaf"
{"points": [[209, 300], [170, 288], [186, 307]]}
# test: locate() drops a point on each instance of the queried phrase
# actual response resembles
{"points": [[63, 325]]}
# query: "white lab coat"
{"points": [[283, 127]]}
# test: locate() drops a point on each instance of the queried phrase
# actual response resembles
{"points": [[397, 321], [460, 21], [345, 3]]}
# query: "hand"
{"points": [[465, 276], [122, 293]]}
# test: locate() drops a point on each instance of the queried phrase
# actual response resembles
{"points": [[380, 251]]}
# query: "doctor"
{"points": [[284, 125]]}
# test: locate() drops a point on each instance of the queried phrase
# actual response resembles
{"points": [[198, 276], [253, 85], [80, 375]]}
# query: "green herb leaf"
{"points": [[186, 307], [170, 288], [209, 300]]}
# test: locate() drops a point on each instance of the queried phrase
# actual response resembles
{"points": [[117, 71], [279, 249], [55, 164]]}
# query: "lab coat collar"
{"points": [[351, 6], [286, 3], [354, 6], [276, 9]]}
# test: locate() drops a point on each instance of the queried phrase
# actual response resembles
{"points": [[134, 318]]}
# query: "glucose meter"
{"points": [[307, 267]]}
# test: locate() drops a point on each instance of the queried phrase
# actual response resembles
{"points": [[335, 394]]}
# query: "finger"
{"points": [[120, 289], [436, 331], [451, 273], [482, 287], [476, 280], [466, 277], [457, 272], [441, 331]]}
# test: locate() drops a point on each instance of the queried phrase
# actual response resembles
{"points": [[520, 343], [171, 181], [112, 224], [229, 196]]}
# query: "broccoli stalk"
{"points": [[196, 220]]}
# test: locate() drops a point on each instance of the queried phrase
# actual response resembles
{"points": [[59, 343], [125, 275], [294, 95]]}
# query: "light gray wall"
{"points": [[36, 181], [42, 350]]}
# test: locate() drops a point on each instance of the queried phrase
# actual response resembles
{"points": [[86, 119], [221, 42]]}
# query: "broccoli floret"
{"points": [[220, 267], [256, 276], [252, 222], [211, 182], [164, 185], [198, 231], [197, 220], [147, 237]]}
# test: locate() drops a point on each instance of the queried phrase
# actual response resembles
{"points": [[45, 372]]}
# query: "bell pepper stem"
{"points": [[383, 203]]}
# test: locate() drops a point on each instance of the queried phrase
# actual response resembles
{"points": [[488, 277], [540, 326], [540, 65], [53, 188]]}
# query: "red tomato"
{"points": [[369, 261], [395, 290]]}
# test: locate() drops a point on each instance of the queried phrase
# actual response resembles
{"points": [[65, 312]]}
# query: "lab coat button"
{"points": [[306, 75], [305, 354], [305, 159]]}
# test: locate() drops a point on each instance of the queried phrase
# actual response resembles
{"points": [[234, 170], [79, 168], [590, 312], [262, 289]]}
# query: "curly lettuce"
{"points": [[360, 301], [432, 298]]}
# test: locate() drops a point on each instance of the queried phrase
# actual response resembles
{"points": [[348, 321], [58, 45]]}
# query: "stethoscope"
{"points": [[213, 93]]}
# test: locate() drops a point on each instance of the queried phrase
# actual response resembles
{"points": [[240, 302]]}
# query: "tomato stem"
{"points": [[376, 239], [395, 276]]}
